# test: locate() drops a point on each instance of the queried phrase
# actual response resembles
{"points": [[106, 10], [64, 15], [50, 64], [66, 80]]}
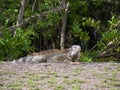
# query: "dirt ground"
{"points": [[59, 76]]}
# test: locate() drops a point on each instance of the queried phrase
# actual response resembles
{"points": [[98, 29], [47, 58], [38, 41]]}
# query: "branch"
{"points": [[21, 12], [34, 17], [111, 1], [115, 55], [93, 48], [64, 23], [107, 53], [33, 7]]}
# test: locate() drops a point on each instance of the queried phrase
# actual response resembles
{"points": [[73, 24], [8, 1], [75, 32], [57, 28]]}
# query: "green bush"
{"points": [[88, 56], [13, 46], [79, 33], [112, 35]]}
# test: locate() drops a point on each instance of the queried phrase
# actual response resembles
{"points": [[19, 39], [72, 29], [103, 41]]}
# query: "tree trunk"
{"points": [[64, 27], [21, 13], [53, 42], [33, 7]]}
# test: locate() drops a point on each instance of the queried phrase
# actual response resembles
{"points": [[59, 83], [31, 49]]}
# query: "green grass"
{"points": [[65, 76], [8, 72], [51, 80], [76, 87], [59, 87], [31, 83], [74, 81], [97, 75], [35, 77], [78, 70], [115, 83], [15, 85], [112, 83]]}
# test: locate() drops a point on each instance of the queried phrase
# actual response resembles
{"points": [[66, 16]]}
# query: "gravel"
{"points": [[59, 76]]}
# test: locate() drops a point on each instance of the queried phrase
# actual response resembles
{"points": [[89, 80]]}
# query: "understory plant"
{"points": [[13, 46]]}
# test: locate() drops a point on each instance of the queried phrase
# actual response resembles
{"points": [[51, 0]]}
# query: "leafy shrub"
{"points": [[88, 56], [79, 33], [112, 35], [13, 47]]}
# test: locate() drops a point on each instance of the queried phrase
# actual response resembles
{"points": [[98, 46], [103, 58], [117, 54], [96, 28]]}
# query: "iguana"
{"points": [[71, 54]]}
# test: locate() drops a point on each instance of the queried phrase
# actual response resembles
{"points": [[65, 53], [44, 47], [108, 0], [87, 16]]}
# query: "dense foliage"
{"points": [[93, 24]]}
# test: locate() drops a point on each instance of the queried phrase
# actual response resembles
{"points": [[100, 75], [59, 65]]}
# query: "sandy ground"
{"points": [[59, 76]]}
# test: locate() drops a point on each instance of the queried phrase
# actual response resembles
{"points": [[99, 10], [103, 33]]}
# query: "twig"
{"points": [[34, 17]]}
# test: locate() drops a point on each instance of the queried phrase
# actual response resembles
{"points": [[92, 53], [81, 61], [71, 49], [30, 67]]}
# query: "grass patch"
{"points": [[15, 85], [51, 73], [31, 83], [35, 77], [115, 83], [78, 70], [43, 76], [51, 80], [110, 82], [74, 81], [114, 88], [8, 72], [76, 87], [102, 85], [95, 74], [1, 84], [15, 88], [112, 79], [65, 76], [59, 87]]}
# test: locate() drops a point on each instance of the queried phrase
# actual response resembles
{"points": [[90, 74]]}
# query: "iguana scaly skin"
{"points": [[68, 55], [42, 56], [72, 56], [49, 52]]}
